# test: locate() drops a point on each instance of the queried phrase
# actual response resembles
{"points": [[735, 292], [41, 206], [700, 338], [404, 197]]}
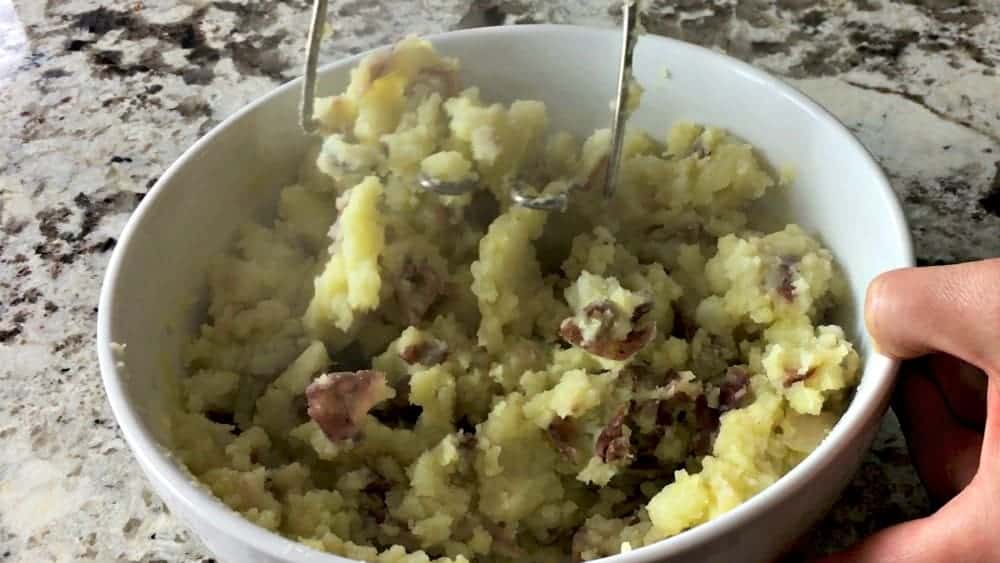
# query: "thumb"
{"points": [[951, 309], [945, 536]]}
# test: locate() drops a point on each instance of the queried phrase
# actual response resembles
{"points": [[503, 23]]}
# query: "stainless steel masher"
{"points": [[557, 202]]}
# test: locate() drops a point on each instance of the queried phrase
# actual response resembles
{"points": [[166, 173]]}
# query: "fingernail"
{"points": [[873, 303]]}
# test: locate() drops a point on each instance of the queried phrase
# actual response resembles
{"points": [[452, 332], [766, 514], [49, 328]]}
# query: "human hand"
{"points": [[949, 317]]}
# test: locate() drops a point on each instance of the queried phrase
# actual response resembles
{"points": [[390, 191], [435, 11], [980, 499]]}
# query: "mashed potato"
{"points": [[397, 376]]}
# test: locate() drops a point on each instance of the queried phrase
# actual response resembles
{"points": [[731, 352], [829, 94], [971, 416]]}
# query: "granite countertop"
{"points": [[97, 98]]}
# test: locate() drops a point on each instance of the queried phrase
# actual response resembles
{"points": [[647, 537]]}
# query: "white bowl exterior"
{"points": [[233, 175]]}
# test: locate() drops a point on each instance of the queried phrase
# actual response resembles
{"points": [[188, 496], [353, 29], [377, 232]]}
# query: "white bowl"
{"points": [[233, 174]]}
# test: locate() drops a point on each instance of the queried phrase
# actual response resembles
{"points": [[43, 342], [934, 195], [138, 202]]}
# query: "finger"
{"points": [[945, 453], [990, 458], [964, 388], [945, 536], [952, 309]]}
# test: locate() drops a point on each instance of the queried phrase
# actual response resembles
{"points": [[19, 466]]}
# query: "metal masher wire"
{"points": [[552, 202], [630, 20], [307, 106]]}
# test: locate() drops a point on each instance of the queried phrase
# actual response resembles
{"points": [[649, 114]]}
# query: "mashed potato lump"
{"points": [[397, 376]]}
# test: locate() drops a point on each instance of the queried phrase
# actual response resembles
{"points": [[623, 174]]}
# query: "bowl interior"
{"points": [[150, 299]]}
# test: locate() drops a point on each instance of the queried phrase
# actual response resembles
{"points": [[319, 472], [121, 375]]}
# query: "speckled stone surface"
{"points": [[97, 98]]}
